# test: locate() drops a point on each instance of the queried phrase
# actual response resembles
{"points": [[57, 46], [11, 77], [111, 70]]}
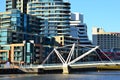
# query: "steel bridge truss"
{"points": [[68, 61]]}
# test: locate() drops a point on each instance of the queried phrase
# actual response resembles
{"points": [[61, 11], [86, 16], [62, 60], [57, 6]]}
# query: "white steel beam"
{"points": [[59, 56], [106, 56], [83, 55], [48, 56], [99, 56], [70, 54]]}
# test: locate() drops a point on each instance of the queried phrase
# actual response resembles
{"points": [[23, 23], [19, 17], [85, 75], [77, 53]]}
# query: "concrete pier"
{"points": [[66, 69]]}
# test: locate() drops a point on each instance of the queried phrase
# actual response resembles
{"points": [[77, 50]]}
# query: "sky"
{"points": [[97, 13]]}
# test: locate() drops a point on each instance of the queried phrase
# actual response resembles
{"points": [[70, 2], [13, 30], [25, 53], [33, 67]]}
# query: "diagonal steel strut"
{"points": [[83, 55], [70, 54], [59, 56], [48, 57]]}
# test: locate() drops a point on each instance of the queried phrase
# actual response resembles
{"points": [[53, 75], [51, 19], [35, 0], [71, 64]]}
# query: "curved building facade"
{"points": [[56, 14], [78, 28]]}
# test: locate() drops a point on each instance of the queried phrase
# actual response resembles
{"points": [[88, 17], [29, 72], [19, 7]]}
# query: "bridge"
{"points": [[68, 62]]}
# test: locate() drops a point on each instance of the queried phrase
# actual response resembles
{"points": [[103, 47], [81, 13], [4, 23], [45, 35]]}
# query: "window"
{"points": [[61, 43], [61, 38]]}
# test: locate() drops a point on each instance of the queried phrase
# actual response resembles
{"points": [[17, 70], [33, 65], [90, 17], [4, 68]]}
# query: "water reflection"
{"points": [[106, 75]]}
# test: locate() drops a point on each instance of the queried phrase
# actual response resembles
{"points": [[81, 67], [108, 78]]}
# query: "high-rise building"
{"points": [[106, 40], [16, 27], [17, 4], [56, 14], [77, 17], [78, 28]]}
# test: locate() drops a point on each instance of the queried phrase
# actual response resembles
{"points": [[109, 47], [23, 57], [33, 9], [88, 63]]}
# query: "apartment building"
{"points": [[78, 28], [56, 14], [26, 52], [17, 4], [106, 40], [16, 27]]}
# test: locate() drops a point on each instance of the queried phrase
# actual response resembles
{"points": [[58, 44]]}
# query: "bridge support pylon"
{"points": [[66, 69]]}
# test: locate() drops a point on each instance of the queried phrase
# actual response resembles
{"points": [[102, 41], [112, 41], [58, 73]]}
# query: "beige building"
{"points": [[25, 52], [66, 40], [106, 40]]}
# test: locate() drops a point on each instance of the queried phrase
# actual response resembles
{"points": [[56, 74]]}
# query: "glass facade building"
{"points": [[16, 27], [56, 14]]}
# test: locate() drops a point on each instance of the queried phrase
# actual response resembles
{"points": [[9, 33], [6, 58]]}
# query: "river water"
{"points": [[104, 75]]}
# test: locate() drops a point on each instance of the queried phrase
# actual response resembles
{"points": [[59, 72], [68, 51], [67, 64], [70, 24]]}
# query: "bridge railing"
{"points": [[93, 63], [60, 65]]}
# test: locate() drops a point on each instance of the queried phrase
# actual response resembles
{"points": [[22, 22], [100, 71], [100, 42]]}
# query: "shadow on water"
{"points": [[102, 75], [11, 71]]}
